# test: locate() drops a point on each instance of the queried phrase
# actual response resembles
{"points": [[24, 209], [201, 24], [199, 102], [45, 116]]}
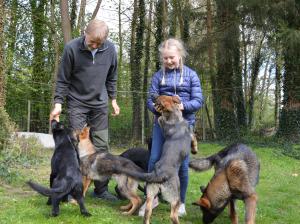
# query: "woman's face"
{"points": [[170, 57]]}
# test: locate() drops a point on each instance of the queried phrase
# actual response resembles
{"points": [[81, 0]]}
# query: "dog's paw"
{"points": [[86, 214], [54, 214]]}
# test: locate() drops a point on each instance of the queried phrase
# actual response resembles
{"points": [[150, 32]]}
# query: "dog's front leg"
{"points": [[232, 212], [174, 211], [86, 183], [148, 210], [250, 204], [83, 210]]}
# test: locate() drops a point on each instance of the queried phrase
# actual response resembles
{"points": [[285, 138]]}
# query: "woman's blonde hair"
{"points": [[167, 44]]}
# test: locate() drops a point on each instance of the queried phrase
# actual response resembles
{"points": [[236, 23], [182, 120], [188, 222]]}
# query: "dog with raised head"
{"points": [[161, 102], [65, 175], [164, 178], [236, 175]]}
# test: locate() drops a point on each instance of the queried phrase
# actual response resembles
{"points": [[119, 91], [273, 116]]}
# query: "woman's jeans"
{"points": [[156, 150]]}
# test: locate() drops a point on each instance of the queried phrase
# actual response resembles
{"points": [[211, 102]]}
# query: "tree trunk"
{"points": [[39, 94], [256, 64], [263, 91], [65, 21], [239, 99], [227, 24], [55, 41], [161, 25], [136, 76], [96, 9], [146, 67], [73, 15], [278, 81], [179, 14], [81, 15], [120, 60], [186, 21], [12, 30], [173, 19], [289, 126], [211, 60], [2, 64]]}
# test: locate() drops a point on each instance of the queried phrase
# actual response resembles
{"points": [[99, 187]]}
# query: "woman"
{"points": [[174, 78]]}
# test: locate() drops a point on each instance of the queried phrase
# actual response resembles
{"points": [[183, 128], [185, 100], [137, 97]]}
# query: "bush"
{"points": [[6, 130], [15, 151]]}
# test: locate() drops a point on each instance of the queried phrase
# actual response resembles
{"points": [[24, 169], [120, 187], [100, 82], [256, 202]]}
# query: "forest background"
{"points": [[246, 52]]}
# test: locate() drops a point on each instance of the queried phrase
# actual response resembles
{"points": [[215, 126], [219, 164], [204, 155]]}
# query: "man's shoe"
{"points": [[143, 208], [105, 196], [181, 210]]}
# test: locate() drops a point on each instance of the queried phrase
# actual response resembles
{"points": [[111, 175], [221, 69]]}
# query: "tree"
{"points": [[11, 38], [2, 67], [289, 126], [227, 59], [136, 76], [96, 9], [81, 15], [161, 27], [65, 20], [147, 65], [39, 93], [256, 64]]}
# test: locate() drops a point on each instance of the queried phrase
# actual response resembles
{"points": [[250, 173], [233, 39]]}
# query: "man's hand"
{"points": [[115, 107], [56, 112]]}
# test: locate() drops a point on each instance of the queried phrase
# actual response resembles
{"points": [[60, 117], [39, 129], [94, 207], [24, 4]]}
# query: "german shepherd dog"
{"points": [[140, 157], [164, 177], [99, 165], [65, 175], [236, 175]]}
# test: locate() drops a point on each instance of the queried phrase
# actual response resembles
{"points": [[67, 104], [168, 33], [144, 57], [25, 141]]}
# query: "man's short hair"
{"points": [[98, 29]]}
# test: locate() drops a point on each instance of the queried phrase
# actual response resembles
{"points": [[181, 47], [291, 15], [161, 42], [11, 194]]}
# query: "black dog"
{"points": [[65, 175]]}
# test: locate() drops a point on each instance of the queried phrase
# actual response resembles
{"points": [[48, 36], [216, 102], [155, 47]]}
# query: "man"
{"points": [[87, 78]]}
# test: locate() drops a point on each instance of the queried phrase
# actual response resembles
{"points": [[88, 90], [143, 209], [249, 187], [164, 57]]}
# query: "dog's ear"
{"points": [[176, 99], [203, 202]]}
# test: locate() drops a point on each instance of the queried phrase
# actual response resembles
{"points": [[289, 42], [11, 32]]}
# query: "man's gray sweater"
{"points": [[84, 79]]}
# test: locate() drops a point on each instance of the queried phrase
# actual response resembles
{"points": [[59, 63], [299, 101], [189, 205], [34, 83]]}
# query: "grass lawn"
{"points": [[278, 191]]}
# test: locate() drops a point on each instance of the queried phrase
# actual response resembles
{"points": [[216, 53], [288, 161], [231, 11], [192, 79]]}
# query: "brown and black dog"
{"points": [[236, 175], [65, 175], [164, 178], [98, 165]]}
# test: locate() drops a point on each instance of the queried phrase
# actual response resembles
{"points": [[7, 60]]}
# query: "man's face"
{"points": [[92, 42]]}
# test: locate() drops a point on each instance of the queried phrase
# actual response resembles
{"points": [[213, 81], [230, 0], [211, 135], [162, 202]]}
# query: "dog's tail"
{"points": [[204, 164], [62, 190], [147, 177]]}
